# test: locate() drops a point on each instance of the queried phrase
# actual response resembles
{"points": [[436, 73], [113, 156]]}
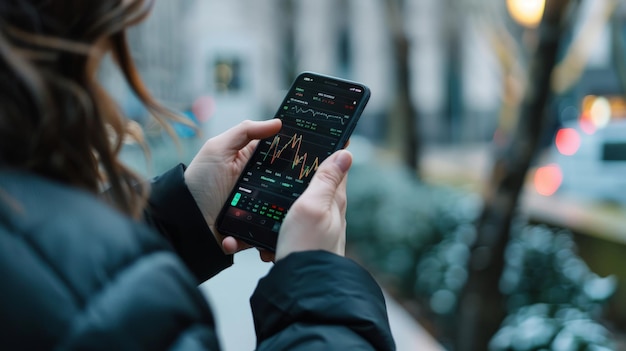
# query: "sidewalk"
{"points": [[229, 291]]}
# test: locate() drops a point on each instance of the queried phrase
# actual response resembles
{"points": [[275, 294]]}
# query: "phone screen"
{"points": [[318, 115]]}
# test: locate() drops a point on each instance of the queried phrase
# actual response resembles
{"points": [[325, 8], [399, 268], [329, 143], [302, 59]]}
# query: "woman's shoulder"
{"points": [[46, 212], [73, 261], [67, 235]]}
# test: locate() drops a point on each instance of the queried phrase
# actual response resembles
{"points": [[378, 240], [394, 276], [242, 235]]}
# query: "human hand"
{"points": [[317, 220], [213, 172]]}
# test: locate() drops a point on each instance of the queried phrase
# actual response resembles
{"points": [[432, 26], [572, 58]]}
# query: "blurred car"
{"points": [[587, 157]]}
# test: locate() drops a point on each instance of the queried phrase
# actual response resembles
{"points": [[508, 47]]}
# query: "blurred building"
{"points": [[244, 53]]}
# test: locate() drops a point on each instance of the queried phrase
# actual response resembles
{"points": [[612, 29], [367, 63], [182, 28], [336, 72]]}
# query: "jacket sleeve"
{"points": [[173, 212], [317, 300]]}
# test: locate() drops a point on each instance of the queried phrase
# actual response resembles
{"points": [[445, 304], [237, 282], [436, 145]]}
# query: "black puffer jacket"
{"points": [[77, 275]]}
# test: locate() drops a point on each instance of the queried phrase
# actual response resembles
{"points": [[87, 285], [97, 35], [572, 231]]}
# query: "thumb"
{"points": [[329, 176], [316, 221], [246, 131]]}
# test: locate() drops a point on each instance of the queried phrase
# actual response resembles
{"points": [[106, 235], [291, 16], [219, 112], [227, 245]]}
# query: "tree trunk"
{"points": [[618, 48], [289, 41], [481, 307], [403, 125]]}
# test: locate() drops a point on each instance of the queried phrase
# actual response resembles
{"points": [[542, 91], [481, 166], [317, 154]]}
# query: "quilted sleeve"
{"points": [[174, 213], [320, 301]]}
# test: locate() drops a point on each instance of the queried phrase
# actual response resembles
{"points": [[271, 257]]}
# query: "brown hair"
{"points": [[55, 118]]}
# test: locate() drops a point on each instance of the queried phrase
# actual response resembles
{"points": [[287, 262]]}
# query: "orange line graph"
{"points": [[294, 143]]}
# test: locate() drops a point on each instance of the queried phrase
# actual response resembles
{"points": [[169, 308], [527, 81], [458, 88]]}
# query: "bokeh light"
{"points": [[600, 112], [548, 179], [528, 13], [567, 141]]}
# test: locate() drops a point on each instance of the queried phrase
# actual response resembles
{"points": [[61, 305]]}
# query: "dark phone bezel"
{"points": [[267, 239]]}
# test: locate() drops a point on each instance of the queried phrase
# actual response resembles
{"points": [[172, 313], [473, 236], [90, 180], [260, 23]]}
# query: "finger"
{"points": [[246, 131], [247, 150], [232, 245], [340, 196], [329, 177], [229, 244], [266, 256]]}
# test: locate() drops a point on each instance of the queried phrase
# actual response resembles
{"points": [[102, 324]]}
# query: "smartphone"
{"points": [[318, 115]]}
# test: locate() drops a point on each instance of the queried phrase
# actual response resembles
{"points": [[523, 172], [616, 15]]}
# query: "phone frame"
{"points": [[267, 239]]}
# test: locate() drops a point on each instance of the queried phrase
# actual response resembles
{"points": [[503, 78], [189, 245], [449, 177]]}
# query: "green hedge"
{"points": [[416, 239]]}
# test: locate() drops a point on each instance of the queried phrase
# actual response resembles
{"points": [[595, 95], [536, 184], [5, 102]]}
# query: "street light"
{"points": [[527, 13]]}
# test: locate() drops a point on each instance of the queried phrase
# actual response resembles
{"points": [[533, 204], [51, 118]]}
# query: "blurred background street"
{"points": [[487, 195]]}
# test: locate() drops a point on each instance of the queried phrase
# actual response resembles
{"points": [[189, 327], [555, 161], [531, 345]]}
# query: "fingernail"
{"points": [[344, 160]]}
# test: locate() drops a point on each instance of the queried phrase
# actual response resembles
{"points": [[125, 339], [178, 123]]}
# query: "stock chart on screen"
{"points": [[316, 114]]}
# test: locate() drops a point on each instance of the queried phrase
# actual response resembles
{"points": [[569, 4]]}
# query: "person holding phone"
{"points": [[94, 258], [318, 114]]}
